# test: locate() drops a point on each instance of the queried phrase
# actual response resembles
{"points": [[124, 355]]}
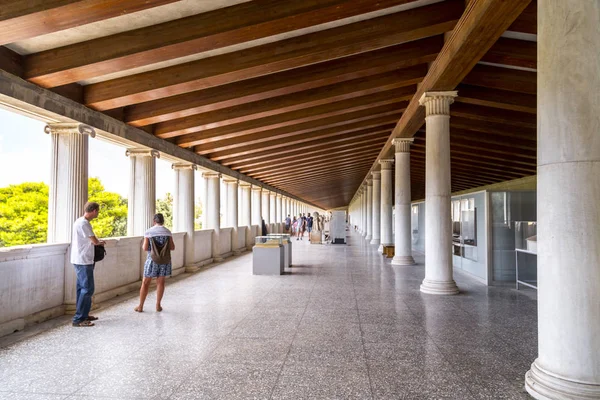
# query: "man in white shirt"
{"points": [[82, 258]]}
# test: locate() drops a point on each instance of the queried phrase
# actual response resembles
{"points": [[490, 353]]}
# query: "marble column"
{"points": [[266, 212], [386, 203], [568, 208], [279, 213], [256, 205], [213, 210], [183, 206], [438, 225], [363, 210], [232, 212], [403, 237], [272, 208], [247, 213], [369, 207], [68, 191], [141, 205], [376, 212]]}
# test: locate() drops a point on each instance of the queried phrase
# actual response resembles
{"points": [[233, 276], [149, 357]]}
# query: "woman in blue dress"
{"points": [[158, 242]]}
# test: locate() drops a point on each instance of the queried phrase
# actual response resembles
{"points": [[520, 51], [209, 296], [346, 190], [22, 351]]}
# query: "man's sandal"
{"points": [[91, 318], [83, 324]]}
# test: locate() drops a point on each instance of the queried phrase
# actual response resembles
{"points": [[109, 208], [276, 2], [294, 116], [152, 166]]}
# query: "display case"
{"points": [[268, 255], [287, 247], [464, 228], [526, 253]]}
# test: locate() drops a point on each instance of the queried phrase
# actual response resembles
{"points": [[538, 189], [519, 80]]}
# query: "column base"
{"points": [[380, 248], [375, 241], [543, 385], [369, 237], [439, 287], [403, 260]]}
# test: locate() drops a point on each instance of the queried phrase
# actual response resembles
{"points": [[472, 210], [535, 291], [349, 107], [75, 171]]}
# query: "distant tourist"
{"points": [[301, 227], [309, 225], [264, 228], [288, 223], [82, 258], [158, 242]]}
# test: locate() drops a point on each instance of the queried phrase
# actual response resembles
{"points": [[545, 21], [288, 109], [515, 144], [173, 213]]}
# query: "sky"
{"points": [[25, 157]]}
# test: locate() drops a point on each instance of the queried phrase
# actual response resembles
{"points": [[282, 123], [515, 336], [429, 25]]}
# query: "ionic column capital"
{"points": [[70, 128], [386, 164], [142, 153], [243, 184], [437, 103], [369, 182], [273, 194], [376, 175], [211, 174], [230, 180], [183, 166], [402, 145]]}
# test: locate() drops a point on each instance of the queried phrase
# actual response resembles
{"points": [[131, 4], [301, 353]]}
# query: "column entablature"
{"points": [[402, 145], [437, 103]]}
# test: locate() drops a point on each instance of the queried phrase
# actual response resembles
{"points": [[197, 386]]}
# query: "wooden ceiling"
{"points": [[304, 95]]}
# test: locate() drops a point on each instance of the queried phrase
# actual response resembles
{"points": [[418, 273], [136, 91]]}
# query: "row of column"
{"points": [[69, 192]]}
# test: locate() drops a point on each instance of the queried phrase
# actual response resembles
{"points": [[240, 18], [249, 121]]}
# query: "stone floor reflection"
{"points": [[344, 324]]}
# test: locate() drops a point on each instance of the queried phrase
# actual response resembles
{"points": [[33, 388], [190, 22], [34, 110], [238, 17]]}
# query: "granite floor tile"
{"points": [[251, 351]]}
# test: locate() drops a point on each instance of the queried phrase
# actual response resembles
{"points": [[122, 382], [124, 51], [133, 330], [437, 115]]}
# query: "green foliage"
{"points": [[165, 207], [112, 219], [198, 215], [24, 213]]}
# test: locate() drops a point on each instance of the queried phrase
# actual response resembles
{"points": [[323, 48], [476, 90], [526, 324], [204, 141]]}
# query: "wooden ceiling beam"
{"points": [[478, 29], [461, 143], [487, 138], [493, 115], [268, 160], [477, 95], [210, 141], [464, 170], [513, 52], [357, 91], [526, 22], [359, 169], [306, 137], [187, 36], [282, 83], [503, 130], [512, 80], [21, 20], [488, 157], [479, 163], [303, 166], [308, 49], [312, 159], [373, 133]]}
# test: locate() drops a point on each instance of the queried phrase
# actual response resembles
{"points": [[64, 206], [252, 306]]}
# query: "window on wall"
{"points": [[414, 219], [464, 228]]}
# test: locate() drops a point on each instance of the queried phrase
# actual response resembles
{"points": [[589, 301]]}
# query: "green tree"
{"points": [[165, 207], [23, 214], [198, 215], [112, 220]]}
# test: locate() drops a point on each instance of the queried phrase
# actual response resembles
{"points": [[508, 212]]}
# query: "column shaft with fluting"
{"points": [[272, 208], [403, 237], [213, 210], [68, 191], [183, 206], [266, 205], [568, 206], [376, 230], [369, 207], [256, 205], [386, 203], [439, 277], [141, 204]]}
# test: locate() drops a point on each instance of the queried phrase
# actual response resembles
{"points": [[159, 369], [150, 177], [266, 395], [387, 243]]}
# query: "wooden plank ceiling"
{"points": [[301, 94]]}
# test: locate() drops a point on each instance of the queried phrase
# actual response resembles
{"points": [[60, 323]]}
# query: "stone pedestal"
{"points": [[403, 237], [316, 237], [141, 204], [438, 226], [268, 259], [568, 208], [386, 204], [183, 206], [68, 191], [376, 232]]}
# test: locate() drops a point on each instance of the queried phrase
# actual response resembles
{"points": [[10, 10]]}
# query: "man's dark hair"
{"points": [[159, 218], [91, 206]]}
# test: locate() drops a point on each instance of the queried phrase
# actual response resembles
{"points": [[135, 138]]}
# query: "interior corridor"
{"points": [[342, 324]]}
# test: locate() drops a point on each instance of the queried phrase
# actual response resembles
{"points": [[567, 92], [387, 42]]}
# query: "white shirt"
{"points": [[82, 248]]}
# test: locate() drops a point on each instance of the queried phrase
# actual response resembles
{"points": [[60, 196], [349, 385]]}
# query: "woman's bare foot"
{"points": [[158, 308], [139, 309]]}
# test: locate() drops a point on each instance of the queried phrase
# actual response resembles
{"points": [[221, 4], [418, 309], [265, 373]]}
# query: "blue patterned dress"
{"points": [[151, 268]]}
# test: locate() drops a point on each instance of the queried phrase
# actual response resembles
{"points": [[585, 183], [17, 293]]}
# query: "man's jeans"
{"points": [[85, 290]]}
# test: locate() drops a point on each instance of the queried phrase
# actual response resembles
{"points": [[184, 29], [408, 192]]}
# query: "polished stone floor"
{"points": [[343, 324]]}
